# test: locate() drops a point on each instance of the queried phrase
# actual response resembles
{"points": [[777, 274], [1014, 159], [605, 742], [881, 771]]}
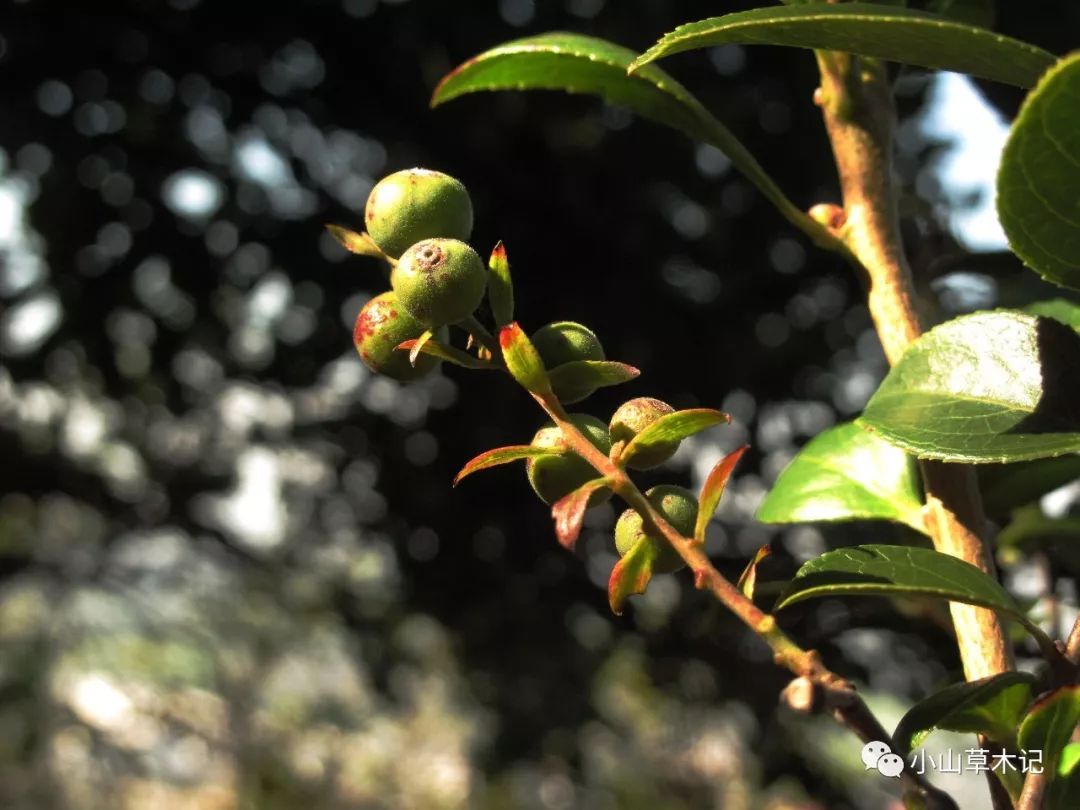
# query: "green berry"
{"points": [[565, 342], [553, 477], [633, 417], [415, 204], [439, 281], [678, 506], [380, 327]]}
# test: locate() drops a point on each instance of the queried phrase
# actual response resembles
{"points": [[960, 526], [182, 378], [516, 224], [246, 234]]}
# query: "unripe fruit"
{"points": [[439, 281], [553, 477], [381, 326], [633, 417], [565, 342], [678, 506], [415, 204]]}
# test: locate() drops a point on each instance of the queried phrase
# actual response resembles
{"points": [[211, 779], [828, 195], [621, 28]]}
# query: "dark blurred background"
{"points": [[233, 573]]}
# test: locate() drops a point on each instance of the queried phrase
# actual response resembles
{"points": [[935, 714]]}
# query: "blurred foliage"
{"points": [[232, 569]]}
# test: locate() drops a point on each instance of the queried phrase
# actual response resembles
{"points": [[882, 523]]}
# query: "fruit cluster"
{"points": [[419, 221]]}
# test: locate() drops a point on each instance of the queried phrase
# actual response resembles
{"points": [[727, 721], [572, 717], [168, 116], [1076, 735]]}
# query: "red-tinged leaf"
{"points": [[500, 286], [748, 579], [1050, 722], [523, 361], [418, 346], [359, 243], [631, 574], [674, 427], [713, 489], [498, 456], [569, 512], [448, 353]]}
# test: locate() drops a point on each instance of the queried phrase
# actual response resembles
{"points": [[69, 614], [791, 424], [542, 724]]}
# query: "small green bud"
{"points": [[553, 477], [634, 416], [416, 204], [439, 281], [565, 342], [678, 506], [381, 327]]}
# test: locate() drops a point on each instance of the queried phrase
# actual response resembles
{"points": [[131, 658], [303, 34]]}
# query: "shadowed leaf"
{"points": [[1005, 487], [674, 427], [894, 34], [523, 361], [846, 473], [713, 489], [1050, 723], [1038, 184], [500, 286], [991, 706], [500, 455], [569, 512]]}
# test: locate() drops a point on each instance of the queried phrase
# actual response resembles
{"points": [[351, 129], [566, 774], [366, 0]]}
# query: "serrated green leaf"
{"points": [[673, 427], [713, 489], [569, 511], [580, 374], [500, 286], [1060, 309], [358, 243], [631, 573], [992, 706], [523, 361], [895, 34], [846, 473], [576, 63], [499, 456], [1005, 487], [992, 386], [1049, 724], [450, 354], [900, 571], [1038, 184]]}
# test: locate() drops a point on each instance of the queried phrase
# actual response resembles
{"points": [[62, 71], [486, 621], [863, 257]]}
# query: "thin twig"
{"points": [[839, 697]]}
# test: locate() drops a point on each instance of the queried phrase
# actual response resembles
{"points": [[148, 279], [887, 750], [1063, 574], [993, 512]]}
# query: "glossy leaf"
{"points": [[992, 386], [895, 34], [846, 473], [523, 361], [499, 456], [500, 286], [576, 63], [1050, 723], [1038, 184], [713, 489], [580, 374], [569, 512], [450, 354], [673, 427], [991, 706], [898, 571], [1005, 487], [1060, 309], [631, 574], [748, 579], [359, 243]]}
